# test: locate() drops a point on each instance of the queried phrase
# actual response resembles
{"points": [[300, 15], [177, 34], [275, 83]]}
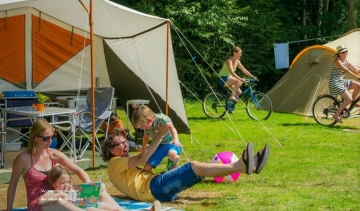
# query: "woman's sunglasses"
{"points": [[46, 138]]}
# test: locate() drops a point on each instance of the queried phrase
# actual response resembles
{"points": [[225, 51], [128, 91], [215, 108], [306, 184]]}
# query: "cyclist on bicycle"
{"points": [[228, 77], [338, 85]]}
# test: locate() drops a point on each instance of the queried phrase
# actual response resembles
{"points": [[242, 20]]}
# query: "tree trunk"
{"points": [[304, 17], [351, 15], [327, 5], [320, 12]]}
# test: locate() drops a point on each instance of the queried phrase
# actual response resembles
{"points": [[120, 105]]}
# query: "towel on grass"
{"points": [[130, 205]]}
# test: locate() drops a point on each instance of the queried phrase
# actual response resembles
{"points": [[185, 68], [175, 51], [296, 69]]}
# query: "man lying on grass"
{"points": [[146, 186]]}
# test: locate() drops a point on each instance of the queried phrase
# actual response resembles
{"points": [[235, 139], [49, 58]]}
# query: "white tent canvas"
{"points": [[309, 73], [133, 52]]}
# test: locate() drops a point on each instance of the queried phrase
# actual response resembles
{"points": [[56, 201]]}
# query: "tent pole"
{"points": [[167, 68], [91, 23], [92, 83]]}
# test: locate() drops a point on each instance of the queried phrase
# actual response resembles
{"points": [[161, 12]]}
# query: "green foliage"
{"points": [[203, 33], [41, 98]]}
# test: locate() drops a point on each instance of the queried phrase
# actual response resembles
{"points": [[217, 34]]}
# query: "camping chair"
{"points": [[103, 101]]}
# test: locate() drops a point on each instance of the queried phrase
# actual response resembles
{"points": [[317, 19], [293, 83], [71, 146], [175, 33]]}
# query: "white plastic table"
{"points": [[28, 112]]}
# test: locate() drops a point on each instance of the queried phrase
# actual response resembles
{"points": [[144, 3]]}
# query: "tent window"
{"points": [[312, 65]]}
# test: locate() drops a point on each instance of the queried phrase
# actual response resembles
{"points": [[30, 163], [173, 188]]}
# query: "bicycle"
{"points": [[258, 105], [326, 106]]}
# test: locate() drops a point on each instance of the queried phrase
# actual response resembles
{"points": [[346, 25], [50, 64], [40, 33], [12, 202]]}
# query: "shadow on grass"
{"points": [[208, 119], [302, 124], [311, 124]]}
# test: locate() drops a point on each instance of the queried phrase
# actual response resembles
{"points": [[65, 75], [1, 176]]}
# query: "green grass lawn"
{"points": [[311, 167]]}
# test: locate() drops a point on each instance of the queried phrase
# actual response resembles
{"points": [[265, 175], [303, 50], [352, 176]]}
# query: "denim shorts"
{"points": [[161, 152], [167, 186], [222, 80]]}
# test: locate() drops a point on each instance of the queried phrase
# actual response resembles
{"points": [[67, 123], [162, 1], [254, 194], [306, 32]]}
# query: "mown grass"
{"points": [[311, 167]]}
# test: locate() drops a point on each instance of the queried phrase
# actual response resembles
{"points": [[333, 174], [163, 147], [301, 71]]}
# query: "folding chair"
{"points": [[103, 102]]}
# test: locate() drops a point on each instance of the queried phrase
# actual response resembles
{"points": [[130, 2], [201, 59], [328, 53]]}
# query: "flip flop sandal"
{"points": [[261, 158], [249, 159]]}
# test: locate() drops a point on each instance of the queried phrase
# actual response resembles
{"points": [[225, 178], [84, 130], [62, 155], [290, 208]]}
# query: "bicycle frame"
{"points": [[257, 106]]}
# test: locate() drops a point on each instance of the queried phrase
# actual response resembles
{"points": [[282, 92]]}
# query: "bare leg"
{"points": [[216, 169], [348, 99], [235, 85], [356, 87], [60, 205], [174, 157], [105, 197], [105, 206], [148, 167]]}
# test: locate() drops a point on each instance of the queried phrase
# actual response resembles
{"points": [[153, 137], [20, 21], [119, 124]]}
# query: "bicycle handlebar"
{"points": [[247, 80]]}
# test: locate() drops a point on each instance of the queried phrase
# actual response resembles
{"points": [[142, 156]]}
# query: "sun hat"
{"points": [[341, 48]]}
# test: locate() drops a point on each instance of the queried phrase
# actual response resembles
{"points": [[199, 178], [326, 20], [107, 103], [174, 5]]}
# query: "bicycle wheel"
{"points": [[324, 108], [214, 105], [258, 106]]}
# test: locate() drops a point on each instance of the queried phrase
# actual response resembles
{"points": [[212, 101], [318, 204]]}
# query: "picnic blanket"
{"points": [[131, 205]]}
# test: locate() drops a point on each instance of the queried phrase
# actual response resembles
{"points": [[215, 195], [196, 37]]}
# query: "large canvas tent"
{"points": [[308, 75], [45, 47]]}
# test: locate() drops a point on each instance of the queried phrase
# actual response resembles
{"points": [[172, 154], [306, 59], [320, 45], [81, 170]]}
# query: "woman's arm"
{"points": [[17, 169], [348, 70], [354, 70], [244, 70], [63, 160], [144, 156]]}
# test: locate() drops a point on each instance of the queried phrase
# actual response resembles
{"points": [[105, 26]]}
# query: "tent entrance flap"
{"points": [[12, 50], [52, 47]]}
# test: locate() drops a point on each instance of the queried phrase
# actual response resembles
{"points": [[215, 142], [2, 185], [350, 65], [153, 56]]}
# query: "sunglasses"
{"points": [[119, 143], [46, 138], [344, 52]]}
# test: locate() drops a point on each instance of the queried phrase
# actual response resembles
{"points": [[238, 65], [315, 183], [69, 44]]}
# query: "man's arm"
{"points": [[144, 156]]}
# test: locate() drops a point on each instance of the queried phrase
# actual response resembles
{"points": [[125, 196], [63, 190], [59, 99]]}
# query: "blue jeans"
{"points": [[167, 186]]}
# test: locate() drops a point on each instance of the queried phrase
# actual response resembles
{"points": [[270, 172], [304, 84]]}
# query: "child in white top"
{"points": [[62, 196]]}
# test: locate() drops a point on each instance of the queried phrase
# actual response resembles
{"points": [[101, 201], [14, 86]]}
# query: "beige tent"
{"points": [[45, 47], [309, 74]]}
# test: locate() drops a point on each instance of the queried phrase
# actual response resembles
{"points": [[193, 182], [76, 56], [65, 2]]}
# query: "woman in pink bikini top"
{"points": [[34, 164]]}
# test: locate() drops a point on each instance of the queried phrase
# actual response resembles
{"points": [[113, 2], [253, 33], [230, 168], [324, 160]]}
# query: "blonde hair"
{"points": [[37, 128], [54, 174], [235, 49], [141, 115]]}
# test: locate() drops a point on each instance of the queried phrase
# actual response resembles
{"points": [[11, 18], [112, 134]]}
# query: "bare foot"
{"points": [[156, 206], [337, 118]]}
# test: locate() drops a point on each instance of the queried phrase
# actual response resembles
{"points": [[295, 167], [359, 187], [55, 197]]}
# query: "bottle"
{"points": [[169, 164]]}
